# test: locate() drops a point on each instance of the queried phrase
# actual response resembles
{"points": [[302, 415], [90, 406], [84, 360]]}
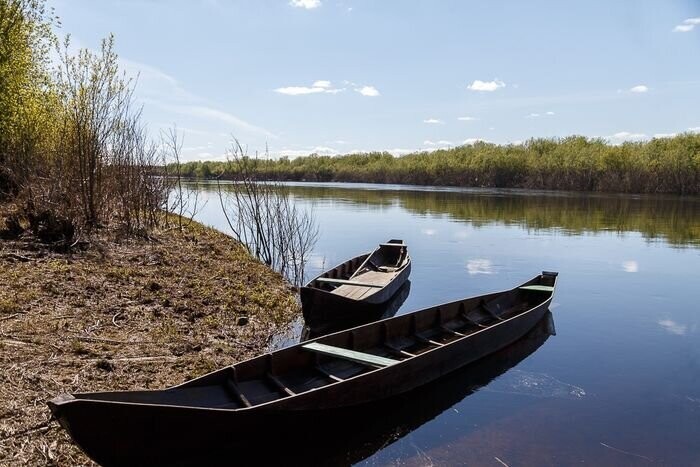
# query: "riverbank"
{"points": [[123, 314], [575, 163]]}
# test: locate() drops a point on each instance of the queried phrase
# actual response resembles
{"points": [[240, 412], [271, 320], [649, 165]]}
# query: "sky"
{"points": [[341, 76]]}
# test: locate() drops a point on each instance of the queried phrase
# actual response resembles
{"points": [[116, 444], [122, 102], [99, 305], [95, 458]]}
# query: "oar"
{"points": [[362, 265]]}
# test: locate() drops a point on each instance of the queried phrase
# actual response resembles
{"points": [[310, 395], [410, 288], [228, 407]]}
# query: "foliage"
{"points": [[26, 90], [664, 165], [74, 155]]}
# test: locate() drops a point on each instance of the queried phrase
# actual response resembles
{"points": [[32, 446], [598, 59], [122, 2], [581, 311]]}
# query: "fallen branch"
{"points": [[41, 427], [111, 341], [15, 257], [11, 316]]}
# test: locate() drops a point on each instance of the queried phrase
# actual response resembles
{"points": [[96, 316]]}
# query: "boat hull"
{"points": [[144, 434], [322, 308]]}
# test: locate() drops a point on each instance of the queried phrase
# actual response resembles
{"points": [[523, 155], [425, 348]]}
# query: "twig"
{"points": [[114, 319], [43, 426], [13, 315], [500, 461], [110, 341], [16, 257]]}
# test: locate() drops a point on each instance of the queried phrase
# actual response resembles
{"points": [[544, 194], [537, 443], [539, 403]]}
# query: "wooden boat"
{"points": [[269, 396], [386, 310], [358, 286]]}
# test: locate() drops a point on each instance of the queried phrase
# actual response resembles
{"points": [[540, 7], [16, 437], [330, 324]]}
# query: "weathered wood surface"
{"points": [[352, 355]]}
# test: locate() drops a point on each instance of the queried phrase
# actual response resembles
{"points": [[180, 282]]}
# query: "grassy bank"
{"points": [[666, 165], [122, 314]]}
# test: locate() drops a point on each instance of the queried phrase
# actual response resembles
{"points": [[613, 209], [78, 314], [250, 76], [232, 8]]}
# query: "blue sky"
{"points": [[337, 76]]}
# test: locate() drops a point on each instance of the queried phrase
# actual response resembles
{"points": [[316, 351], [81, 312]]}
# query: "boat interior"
{"points": [[337, 357], [363, 275]]}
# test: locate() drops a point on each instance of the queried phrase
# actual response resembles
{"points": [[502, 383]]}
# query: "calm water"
{"points": [[619, 384]]}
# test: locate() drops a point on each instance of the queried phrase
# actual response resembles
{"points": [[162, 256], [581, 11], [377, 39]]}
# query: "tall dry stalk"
{"points": [[263, 216]]}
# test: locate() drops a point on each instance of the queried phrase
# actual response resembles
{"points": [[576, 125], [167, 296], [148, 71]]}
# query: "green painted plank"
{"points": [[345, 282], [352, 355], [540, 288]]}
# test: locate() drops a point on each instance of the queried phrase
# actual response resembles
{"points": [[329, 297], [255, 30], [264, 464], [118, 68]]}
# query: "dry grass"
{"points": [[123, 315]]}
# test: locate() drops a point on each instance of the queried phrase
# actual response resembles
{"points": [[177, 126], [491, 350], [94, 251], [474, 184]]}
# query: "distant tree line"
{"points": [[661, 165]]}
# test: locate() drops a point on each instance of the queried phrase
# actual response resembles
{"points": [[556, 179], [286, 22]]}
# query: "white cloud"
{"points": [[399, 151], [442, 143], [369, 91], [695, 129], [684, 28], [673, 327], [470, 141], [630, 266], [665, 135], [219, 115], [640, 88], [467, 119], [298, 90], [479, 266], [307, 4], [687, 25], [318, 87], [433, 121], [536, 115], [292, 153], [157, 88], [486, 86], [626, 136]]}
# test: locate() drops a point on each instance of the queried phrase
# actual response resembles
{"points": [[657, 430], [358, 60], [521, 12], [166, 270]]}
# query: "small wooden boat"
{"points": [[358, 286], [274, 394], [386, 310]]}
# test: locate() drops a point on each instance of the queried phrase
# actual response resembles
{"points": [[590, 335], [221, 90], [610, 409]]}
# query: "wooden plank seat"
{"points": [[539, 288], [351, 355], [348, 282]]}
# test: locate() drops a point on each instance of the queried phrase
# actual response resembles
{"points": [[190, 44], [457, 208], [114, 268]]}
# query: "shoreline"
{"points": [[123, 314], [406, 187]]}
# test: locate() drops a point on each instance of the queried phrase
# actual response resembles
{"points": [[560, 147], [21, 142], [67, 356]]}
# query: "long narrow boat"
{"points": [[260, 399], [357, 287]]}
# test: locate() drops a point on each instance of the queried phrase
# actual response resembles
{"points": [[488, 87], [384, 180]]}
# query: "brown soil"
{"points": [[123, 315]]}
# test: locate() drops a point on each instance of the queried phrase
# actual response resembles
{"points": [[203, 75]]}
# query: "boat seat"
{"points": [[539, 288], [347, 282], [352, 355]]}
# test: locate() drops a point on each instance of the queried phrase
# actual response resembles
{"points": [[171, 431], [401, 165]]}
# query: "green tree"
{"points": [[26, 91]]}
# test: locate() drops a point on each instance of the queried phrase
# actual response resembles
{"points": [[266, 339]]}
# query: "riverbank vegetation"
{"points": [[662, 165], [143, 313], [74, 154]]}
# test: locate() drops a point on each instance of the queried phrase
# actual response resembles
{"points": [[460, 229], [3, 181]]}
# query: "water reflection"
{"points": [[389, 309], [673, 219]]}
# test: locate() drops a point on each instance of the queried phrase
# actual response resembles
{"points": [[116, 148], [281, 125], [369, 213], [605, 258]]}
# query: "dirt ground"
{"points": [[123, 315]]}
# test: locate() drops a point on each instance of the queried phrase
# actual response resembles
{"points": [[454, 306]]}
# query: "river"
{"points": [[619, 383]]}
